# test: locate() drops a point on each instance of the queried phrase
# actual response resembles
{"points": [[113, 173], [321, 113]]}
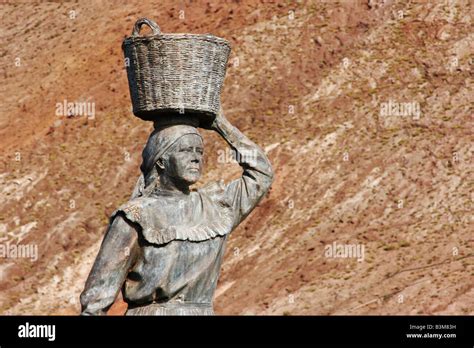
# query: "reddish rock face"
{"points": [[307, 83]]}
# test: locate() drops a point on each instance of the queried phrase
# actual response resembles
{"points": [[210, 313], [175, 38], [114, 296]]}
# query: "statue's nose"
{"points": [[196, 157]]}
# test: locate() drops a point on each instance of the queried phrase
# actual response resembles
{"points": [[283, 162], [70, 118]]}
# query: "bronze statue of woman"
{"points": [[164, 247]]}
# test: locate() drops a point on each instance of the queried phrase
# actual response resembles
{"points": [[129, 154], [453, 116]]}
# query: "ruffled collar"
{"points": [[165, 216]]}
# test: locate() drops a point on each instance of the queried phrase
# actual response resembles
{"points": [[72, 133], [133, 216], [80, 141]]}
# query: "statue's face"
{"points": [[184, 160]]}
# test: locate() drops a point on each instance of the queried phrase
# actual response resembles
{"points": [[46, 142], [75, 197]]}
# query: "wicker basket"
{"points": [[181, 73]]}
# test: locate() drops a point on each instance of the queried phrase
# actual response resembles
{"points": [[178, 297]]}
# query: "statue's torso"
{"points": [[182, 242], [177, 274]]}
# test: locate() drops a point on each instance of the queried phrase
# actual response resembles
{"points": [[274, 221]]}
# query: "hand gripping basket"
{"points": [[180, 73]]}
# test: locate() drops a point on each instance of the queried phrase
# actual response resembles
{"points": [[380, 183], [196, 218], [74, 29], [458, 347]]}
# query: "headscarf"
{"points": [[159, 142]]}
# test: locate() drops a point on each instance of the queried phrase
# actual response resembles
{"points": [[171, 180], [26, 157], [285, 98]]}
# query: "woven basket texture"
{"points": [[182, 73]]}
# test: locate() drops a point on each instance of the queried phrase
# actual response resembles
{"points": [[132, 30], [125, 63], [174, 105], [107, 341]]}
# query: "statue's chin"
{"points": [[191, 179]]}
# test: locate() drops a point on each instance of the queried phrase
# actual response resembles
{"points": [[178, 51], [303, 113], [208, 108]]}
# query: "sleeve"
{"points": [[117, 255], [244, 193]]}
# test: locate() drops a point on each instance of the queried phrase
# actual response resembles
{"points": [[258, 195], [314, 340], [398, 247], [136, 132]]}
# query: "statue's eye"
{"points": [[191, 149]]}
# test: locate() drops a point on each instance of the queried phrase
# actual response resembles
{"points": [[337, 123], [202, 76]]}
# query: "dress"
{"points": [[165, 250]]}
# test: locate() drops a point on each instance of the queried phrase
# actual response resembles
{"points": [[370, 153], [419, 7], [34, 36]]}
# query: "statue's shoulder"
{"points": [[215, 188], [133, 209]]}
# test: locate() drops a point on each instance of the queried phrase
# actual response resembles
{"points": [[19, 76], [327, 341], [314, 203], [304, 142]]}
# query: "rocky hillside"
{"points": [[364, 108]]}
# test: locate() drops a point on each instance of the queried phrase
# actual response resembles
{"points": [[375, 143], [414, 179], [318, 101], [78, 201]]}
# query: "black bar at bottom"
{"points": [[453, 331]]}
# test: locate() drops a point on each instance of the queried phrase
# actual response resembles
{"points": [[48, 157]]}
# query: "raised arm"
{"points": [[117, 255], [244, 193]]}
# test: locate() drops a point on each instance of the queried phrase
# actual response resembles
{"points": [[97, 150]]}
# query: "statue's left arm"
{"points": [[244, 193]]}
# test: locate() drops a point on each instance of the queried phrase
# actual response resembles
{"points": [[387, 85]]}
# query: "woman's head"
{"points": [[183, 161], [173, 154]]}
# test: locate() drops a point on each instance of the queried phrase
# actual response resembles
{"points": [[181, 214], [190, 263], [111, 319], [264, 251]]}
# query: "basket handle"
{"points": [[138, 24]]}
